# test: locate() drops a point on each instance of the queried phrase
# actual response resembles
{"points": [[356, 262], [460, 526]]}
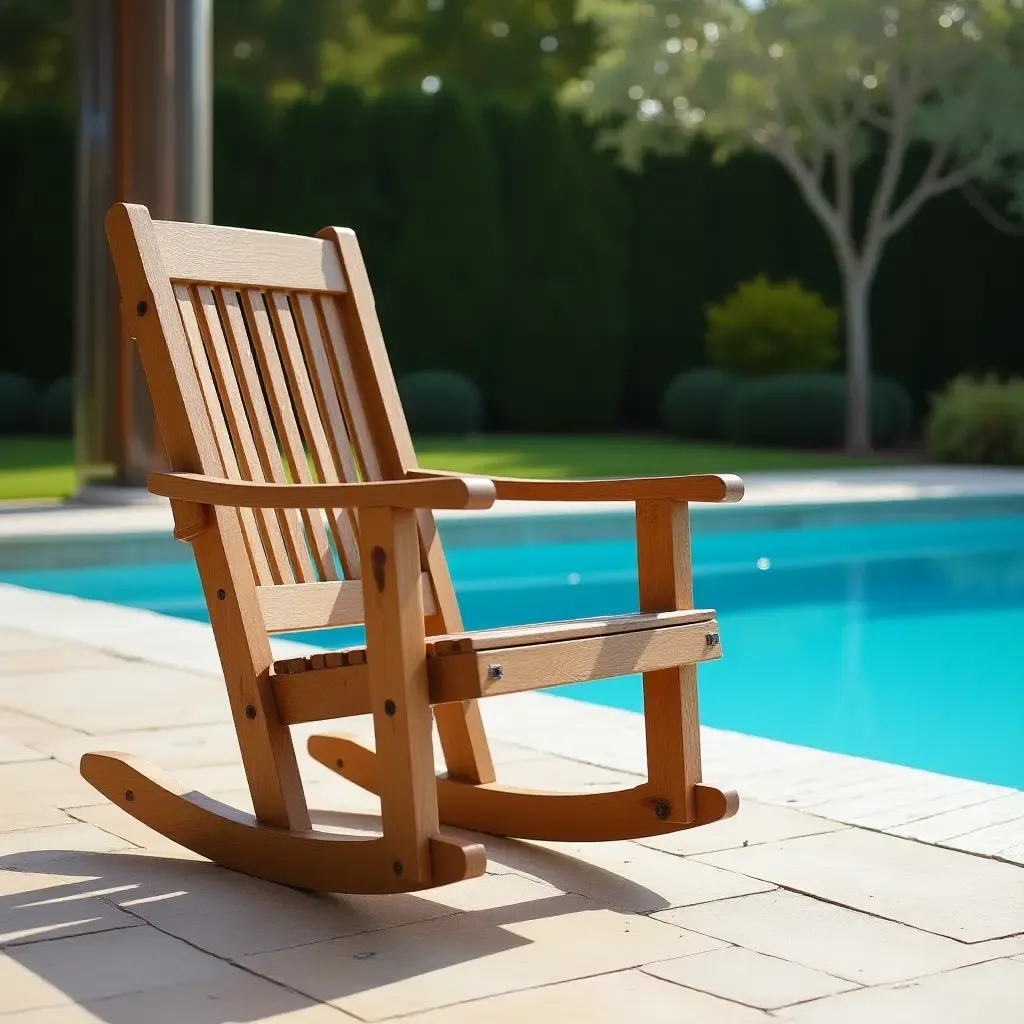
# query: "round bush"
{"points": [[764, 328], [694, 403], [439, 402], [19, 404], [56, 409], [892, 412], [978, 421], [808, 410]]}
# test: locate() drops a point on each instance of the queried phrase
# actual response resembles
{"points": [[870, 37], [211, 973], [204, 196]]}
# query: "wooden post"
{"points": [[144, 136], [670, 695], [396, 657]]}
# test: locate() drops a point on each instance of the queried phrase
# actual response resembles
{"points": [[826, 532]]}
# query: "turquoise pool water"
{"points": [[900, 642]]}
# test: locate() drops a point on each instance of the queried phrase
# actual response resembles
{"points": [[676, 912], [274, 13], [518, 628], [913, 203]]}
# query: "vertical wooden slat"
{"points": [[670, 695], [348, 389], [193, 333], [288, 431], [399, 691], [263, 431], [379, 425], [241, 431], [312, 424], [337, 432], [242, 643]]}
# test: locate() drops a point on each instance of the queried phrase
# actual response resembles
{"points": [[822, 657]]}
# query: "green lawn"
{"points": [[35, 467]]}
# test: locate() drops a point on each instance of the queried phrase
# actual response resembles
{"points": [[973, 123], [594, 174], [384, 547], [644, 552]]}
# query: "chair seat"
{"points": [[514, 636], [570, 629]]}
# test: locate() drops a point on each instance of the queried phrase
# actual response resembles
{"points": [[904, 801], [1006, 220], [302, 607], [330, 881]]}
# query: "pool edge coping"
{"points": [[761, 769]]}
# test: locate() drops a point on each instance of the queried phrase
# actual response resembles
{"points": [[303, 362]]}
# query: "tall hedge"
{"points": [[37, 166], [504, 245], [558, 365], [439, 296]]}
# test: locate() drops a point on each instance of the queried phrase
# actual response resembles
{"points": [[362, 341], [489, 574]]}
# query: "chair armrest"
{"points": [[653, 488], [455, 492]]}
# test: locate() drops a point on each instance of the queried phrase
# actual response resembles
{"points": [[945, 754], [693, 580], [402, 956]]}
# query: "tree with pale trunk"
{"points": [[822, 86]]}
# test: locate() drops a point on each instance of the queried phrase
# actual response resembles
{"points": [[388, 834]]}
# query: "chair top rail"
{"points": [[211, 254]]}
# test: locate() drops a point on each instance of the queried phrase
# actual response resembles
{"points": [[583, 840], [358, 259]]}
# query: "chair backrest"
{"points": [[269, 350]]}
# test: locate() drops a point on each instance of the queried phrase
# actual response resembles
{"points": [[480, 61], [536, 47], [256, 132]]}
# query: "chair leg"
{"points": [[396, 652], [411, 854]]}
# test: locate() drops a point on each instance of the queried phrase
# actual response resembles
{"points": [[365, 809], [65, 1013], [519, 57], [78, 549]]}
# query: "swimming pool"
{"points": [[894, 641]]}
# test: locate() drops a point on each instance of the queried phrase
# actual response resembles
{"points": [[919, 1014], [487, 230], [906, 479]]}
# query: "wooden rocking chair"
{"points": [[260, 350]]}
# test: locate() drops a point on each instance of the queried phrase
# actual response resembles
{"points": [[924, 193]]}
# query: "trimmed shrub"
{"points": [[978, 421], [892, 412], [808, 410], [764, 328], [694, 403], [19, 404], [439, 402], [56, 408]]}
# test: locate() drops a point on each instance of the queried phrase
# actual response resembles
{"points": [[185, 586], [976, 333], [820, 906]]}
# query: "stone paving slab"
{"points": [[235, 996], [471, 956], [824, 937], [932, 889], [605, 999], [102, 920], [753, 979], [992, 993]]}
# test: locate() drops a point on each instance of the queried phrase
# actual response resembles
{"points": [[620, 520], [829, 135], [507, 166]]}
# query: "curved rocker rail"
{"points": [[321, 861], [531, 814]]}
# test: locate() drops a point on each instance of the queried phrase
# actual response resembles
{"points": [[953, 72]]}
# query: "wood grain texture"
{"points": [[380, 424], [704, 488], [396, 667], [670, 694], [455, 492], [222, 438], [335, 459], [221, 557], [243, 445], [260, 524], [210, 254], [300, 606], [288, 536], [316, 696], [574, 629], [283, 414], [319, 861], [532, 814], [538, 666]]}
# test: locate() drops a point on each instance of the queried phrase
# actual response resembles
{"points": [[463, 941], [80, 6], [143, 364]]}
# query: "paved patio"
{"points": [[779, 913]]}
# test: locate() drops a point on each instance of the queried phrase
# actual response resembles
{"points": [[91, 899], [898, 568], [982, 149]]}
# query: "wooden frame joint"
{"points": [[190, 519]]}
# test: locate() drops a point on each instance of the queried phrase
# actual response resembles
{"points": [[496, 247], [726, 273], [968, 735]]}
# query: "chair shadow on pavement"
{"points": [[64, 915]]}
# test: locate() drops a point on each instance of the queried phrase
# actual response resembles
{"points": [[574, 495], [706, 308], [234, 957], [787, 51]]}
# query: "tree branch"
{"points": [[933, 183], [782, 149]]}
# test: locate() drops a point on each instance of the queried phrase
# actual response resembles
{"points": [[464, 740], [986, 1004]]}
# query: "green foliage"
{"points": [[440, 300], [978, 421], [19, 404], [440, 403], [892, 412], [764, 328], [822, 87], [694, 404], [37, 52], [512, 48], [56, 408], [556, 365], [806, 410], [37, 164]]}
